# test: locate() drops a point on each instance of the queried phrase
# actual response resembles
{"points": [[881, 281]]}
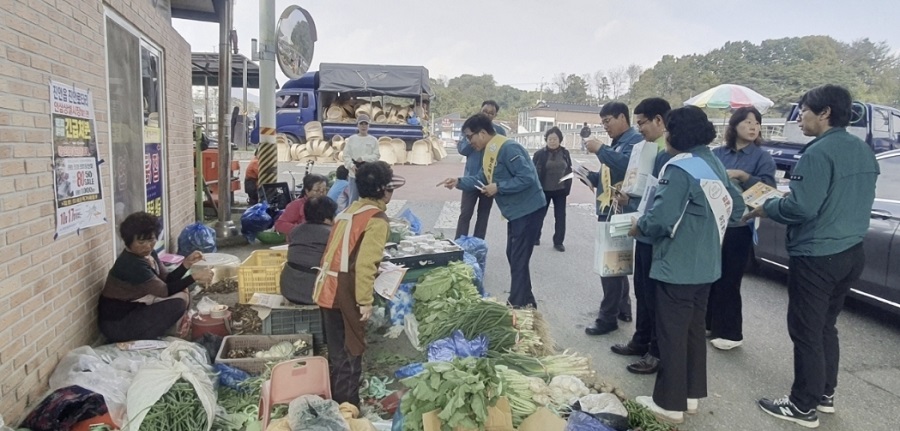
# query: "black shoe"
{"points": [[630, 349], [648, 364], [624, 317], [559, 247], [537, 243], [601, 328], [786, 410], [826, 404]]}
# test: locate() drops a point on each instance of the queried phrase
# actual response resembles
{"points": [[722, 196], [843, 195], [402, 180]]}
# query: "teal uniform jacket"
{"points": [[519, 191], [832, 191], [694, 254]]}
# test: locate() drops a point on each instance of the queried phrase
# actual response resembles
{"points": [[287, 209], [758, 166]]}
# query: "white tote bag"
{"points": [[640, 167], [613, 256]]}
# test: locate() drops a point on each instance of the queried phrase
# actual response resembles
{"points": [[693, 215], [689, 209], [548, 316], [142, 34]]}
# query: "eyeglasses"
{"points": [[469, 136], [606, 120], [641, 123]]}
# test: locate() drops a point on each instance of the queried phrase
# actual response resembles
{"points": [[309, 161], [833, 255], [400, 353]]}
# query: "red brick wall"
{"points": [[49, 287]]}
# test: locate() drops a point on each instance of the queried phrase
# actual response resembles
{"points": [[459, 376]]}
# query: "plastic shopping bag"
{"points": [[197, 236], [255, 220]]}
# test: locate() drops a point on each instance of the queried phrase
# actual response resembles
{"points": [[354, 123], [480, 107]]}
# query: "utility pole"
{"points": [[225, 228], [267, 154]]}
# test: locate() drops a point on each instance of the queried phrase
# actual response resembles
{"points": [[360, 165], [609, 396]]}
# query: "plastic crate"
{"points": [[261, 342], [261, 272], [299, 319]]}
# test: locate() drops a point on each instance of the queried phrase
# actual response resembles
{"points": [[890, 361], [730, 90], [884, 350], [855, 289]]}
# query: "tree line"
{"points": [[780, 69]]}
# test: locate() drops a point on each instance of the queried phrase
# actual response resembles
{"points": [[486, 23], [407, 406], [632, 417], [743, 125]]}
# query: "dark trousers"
{"points": [[467, 208], [723, 313], [520, 237], [559, 215], [346, 369], [252, 192], [817, 287], [645, 296], [145, 322], [680, 314], [616, 299]]}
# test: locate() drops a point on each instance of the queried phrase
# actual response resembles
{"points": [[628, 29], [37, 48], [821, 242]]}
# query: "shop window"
{"points": [[136, 117]]}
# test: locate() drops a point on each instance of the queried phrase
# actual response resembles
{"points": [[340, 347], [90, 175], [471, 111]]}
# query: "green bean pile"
{"points": [[639, 417], [179, 409]]}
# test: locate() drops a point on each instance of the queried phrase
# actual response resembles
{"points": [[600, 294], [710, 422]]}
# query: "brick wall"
{"points": [[49, 288]]}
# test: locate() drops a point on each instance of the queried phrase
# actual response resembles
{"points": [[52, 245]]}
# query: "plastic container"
{"points": [[299, 319], [271, 237], [451, 252], [224, 266], [206, 324], [261, 272], [260, 342]]}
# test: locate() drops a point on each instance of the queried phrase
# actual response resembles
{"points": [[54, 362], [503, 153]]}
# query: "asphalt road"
{"points": [[568, 293]]}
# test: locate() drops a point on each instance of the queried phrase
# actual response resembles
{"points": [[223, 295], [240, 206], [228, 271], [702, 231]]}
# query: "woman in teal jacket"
{"points": [[685, 221]]}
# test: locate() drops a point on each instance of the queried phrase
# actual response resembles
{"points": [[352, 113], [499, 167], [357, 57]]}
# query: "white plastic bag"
{"points": [[411, 327], [3, 426], [181, 360], [108, 374], [613, 256], [640, 167]]}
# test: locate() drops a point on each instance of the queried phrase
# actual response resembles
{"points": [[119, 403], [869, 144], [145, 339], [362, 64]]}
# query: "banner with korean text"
{"points": [[79, 199]]}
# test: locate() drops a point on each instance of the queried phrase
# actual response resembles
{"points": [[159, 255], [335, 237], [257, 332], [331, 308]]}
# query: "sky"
{"points": [[524, 43]]}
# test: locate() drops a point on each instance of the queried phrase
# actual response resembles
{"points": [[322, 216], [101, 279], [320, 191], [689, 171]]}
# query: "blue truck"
{"points": [[308, 98], [877, 125]]}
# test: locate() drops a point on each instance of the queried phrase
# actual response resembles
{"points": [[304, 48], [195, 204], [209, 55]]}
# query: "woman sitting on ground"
{"points": [[313, 185], [307, 244], [140, 299]]}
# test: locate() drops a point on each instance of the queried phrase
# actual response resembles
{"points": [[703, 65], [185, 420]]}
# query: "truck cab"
{"points": [[877, 125]]}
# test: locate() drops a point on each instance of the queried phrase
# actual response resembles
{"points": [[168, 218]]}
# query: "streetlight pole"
{"points": [[225, 228], [267, 154]]}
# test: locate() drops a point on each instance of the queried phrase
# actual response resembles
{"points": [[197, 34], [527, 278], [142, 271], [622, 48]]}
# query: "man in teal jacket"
{"points": [[827, 215], [509, 176], [615, 116]]}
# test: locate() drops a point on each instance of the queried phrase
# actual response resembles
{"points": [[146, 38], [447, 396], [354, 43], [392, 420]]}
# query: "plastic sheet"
{"points": [[479, 273], [409, 371], [255, 220], [401, 304], [415, 225], [313, 412], [197, 236], [476, 247], [457, 346], [581, 421]]}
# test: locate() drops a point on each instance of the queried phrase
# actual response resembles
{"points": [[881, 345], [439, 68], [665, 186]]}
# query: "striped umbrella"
{"points": [[730, 96]]}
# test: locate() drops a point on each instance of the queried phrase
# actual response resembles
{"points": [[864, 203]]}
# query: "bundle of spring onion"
{"points": [[529, 341], [492, 319], [519, 390], [547, 367]]}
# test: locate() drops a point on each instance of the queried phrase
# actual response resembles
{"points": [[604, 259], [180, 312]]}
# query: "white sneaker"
{"points": [[693, 405], [724, 344], [660, 413]]}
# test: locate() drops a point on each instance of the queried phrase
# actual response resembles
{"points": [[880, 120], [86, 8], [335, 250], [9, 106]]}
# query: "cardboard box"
{"points": [[499, 419]]}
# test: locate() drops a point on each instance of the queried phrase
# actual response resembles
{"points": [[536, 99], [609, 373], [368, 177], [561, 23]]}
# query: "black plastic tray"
{"points": [[427, 260]]}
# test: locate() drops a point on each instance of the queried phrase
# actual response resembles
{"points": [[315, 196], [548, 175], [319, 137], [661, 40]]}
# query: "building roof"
{"points": [[197, 10], [564, 107], [205, 67]]}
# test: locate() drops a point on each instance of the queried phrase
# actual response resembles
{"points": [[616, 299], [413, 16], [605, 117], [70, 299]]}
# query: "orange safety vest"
{"points": [[342, 242]]}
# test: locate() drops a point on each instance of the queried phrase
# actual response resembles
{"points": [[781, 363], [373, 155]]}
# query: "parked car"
{"points": [[880, 281]]}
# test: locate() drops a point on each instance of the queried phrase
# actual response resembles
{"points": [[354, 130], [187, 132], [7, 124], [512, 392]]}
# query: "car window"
{"points": [[881, 123], [888, 185], [305, 102]]}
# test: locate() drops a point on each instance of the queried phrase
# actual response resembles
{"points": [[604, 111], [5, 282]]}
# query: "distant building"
{"points": [[566, 116], [449, 127]]}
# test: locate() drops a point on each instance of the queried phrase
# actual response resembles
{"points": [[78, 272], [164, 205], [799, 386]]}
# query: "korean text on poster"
{"points": [[79, 199]]}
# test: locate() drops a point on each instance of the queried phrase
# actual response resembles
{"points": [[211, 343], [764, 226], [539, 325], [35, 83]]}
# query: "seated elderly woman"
{"points": [[140, 299], [307, 244]]}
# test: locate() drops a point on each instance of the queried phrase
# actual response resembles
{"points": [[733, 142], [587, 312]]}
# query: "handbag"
{"points": [[613, 256]]}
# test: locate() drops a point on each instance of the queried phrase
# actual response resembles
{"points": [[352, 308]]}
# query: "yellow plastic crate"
{"points": [[261, 272]]}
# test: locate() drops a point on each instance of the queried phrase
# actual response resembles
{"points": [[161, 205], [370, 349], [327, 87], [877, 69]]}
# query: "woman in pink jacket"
{"points": [[313, 185]]}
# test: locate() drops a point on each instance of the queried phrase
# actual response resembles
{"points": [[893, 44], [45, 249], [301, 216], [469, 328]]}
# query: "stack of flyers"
{"points": [[620, 224]]}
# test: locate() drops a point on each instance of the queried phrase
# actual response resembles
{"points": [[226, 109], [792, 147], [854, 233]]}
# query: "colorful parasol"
{"points": [[731, 96]]}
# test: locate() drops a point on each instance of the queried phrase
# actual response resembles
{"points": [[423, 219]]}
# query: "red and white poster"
{"points": [[79, 199]]}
